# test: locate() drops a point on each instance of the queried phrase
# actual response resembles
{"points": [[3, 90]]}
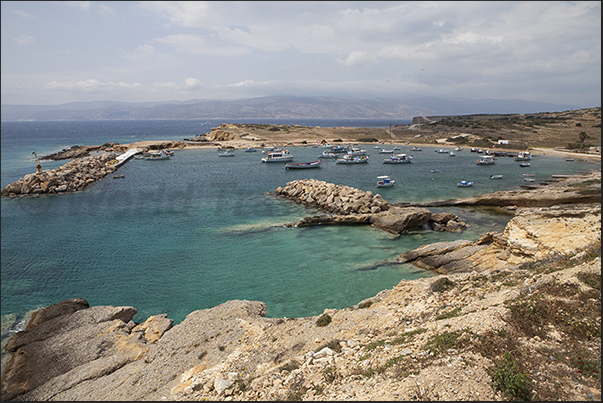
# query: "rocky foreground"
{"points": [[513, 316]]}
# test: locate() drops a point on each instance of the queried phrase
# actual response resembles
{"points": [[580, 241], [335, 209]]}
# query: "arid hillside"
{"points": [[574, 130]]}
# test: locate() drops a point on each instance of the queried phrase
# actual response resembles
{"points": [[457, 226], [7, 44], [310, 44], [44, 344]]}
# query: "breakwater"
{"points": [[71, 177]]}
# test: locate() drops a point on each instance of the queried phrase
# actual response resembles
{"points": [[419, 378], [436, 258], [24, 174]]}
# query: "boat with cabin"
{"points": [[279, 156], [523, 156], [486, 160], [398, 159], [385, 181], [352, 159]]}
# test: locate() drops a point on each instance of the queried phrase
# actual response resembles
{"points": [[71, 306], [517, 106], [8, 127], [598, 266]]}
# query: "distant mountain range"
{"points": [[275, 107]]}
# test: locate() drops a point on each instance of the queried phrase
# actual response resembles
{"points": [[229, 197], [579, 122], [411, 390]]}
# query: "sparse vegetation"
{"points": [[323, 320]]}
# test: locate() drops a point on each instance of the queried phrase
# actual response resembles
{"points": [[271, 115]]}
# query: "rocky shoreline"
{"points": [[532, 291]]}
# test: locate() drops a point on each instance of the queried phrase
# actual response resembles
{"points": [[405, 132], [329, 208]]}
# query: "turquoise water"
{"points": [[197, 230]]}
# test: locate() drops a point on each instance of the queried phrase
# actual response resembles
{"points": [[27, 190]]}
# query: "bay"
{"points": [[197, 230]]}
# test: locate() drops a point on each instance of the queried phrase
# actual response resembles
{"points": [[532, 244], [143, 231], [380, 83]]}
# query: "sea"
{"points": [[196, 230]]}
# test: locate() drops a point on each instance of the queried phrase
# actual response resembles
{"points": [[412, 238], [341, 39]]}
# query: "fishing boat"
{"points": [[385, 181], [416, 149], [486, 160], [398, 159], [523, 156], [303, 165], [250, 150], [352, 159], [496, 176], [155, 155], [280, 156], [328, 154], [458, 148], [463, 184], [524, 164], [442, 151]]}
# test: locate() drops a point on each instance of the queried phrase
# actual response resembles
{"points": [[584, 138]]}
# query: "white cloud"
{"points": [[25, 39], [84, 5]]}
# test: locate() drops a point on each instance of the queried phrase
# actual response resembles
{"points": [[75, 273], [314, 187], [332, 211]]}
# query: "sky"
{"points": [[55, 52]]}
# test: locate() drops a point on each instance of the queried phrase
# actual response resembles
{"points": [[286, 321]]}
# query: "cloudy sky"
{"points": [[55, 52]]}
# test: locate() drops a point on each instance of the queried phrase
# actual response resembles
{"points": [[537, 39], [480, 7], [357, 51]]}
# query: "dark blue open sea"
{"points": [[197, 230]]}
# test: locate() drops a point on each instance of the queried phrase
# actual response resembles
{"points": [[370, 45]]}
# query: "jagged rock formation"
{"points": [[71, 177], [348, 205]]}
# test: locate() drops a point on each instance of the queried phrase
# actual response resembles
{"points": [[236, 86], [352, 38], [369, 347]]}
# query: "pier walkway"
{"points": [[122, 158]]}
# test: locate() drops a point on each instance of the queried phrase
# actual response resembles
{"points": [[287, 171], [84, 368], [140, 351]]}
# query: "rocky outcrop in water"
{"points": [[349, 205], [71, 177]]}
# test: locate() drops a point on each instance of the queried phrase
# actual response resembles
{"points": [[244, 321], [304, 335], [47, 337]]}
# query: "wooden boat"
{"points": [[398, 159], [385, 181], [352, 159], [303, 165], [463, 184]]}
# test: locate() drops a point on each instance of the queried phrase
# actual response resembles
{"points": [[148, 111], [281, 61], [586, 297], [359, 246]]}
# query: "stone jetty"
{"points": [[71, 177], [348, 205]]}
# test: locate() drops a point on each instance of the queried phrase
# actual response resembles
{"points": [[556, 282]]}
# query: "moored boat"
{"points": [[227, 153], [523, 156], [524, 164], [462, 184], [384, 181], [352, 159], [398, 159], [415, 148], [496, 176], [303, 165], [486, 160], [280, 156]]}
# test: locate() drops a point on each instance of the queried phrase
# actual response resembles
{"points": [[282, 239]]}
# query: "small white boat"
{"points": [[529, 179], [416, 149], [523, 156], [303, 165], [442, 151], [528, 174], [496, 176], [250, 150], [458, 148], [386, 151], [524, 164], [463, 184], [433, 170], [385, 181], [281, 156], [352, 159], [227, 153], [452, 154], [398, 159], [156, 155], [486, 160], [328, 154]]}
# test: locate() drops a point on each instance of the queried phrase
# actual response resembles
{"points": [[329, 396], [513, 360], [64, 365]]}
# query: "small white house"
{"points": [[503, 141]]}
